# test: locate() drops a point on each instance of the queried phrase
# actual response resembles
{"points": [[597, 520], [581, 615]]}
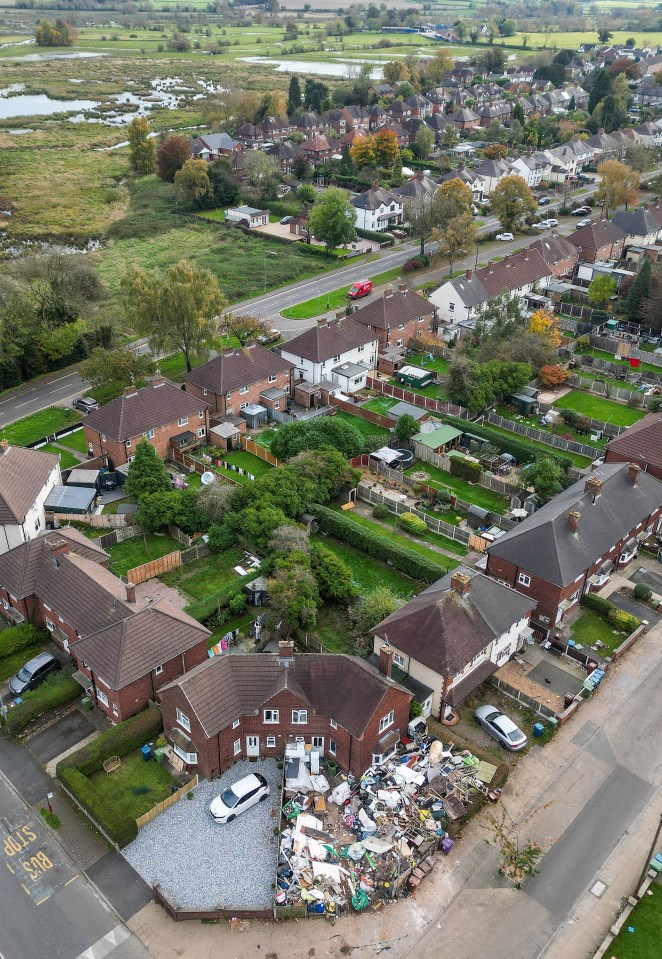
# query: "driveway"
{"points": [[201, 864], [636, 609], [61, 736], [649, 577]]}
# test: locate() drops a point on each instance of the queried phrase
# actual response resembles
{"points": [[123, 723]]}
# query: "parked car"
{"points": [[505, 237], [582, 211], [270, 337], [501, 728], [585, 178], [549, 223], [544, 201], [239, 797], [541, 225], [582, 223], [85, 404], [359, 289], [34, 673], [286, 219]]}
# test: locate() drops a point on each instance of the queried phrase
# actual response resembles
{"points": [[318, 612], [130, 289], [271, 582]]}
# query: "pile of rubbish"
{"points": [[368, 840]]}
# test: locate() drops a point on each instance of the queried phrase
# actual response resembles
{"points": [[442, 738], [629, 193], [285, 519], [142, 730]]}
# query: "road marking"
{"points": [[58, 388], [73, 879], [19, 405], [43, 900], [25, 888], [9, 868], [105, 946]]}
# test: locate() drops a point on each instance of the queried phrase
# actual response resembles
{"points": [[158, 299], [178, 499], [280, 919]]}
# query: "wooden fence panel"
{"points": [[262, 453], [140, 574], [355, 410], [166, 803], [426, 402]]}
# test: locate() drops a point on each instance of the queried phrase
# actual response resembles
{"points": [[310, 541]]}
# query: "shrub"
{"points": [[412, 523], [401, 558], [643, 591], [58, 690], [118, 741], [520, 450], [415, 263], [583, 344], [622, 621], [207, 610], [598, 603], [569, 416], [376, 237], [381, 511], [465, 469], [18, 637], [221, 538], [120, 829]]}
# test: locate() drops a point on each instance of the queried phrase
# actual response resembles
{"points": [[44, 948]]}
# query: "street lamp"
{"points": [[264, 258]]}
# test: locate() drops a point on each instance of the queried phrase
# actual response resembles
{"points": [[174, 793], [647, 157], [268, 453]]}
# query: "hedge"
{"points": [[375, 236], [521, 452], [18, 637], [204, 609], [58, 690], [465, 469], [118, 741], [598, 603], [119, 829], [399, 557], [622, 621]]}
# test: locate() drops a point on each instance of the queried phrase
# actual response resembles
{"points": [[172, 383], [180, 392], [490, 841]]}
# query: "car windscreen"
{"points": [[24, 675], [514, 735], [229, 798]]}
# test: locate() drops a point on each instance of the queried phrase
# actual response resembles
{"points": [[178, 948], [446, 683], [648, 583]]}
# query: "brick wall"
{"points": [[410, 331], [220, 404], [118, 453]]}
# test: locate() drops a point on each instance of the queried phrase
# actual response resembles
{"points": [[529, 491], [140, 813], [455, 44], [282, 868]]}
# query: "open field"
{"points": [[571, 40]]}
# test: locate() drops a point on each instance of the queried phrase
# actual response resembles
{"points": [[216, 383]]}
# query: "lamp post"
{"points": [[264, 260]]}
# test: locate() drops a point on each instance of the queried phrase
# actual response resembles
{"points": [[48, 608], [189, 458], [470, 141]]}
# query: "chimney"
{"points": [[57, 546], [158, 379], [420, 174], [461, 582], [4, 447], [386, 660], [593, 485], [375, 184], [403, 288], [130, 593], [131, 390], [469, 274], [573, 520], [286, 648], [633, 473], [388, 292]]}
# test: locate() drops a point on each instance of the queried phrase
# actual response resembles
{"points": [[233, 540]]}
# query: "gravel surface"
{"points": [[201, 864]]}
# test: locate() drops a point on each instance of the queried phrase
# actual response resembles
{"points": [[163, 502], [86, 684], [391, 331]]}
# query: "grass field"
{"points": [[67, 460], [478, 495], [205, 576], [646, 924], [39, 425], [369, 432], [136, 786], [570, 40], [138, 550], [599, 409]]}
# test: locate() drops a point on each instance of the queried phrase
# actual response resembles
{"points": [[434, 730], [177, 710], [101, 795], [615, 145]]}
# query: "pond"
{"points": [[320, 68], [39, 104]]}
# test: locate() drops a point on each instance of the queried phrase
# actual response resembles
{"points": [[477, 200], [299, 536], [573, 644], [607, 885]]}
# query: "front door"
{"points": [[252, 745]]}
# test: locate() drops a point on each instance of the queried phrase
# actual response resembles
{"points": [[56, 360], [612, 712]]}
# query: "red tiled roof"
{"points": [[146, 409]]}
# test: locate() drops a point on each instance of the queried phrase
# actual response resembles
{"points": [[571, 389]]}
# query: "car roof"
{"points": [[38, 661], [245, 785], [505, 725]]}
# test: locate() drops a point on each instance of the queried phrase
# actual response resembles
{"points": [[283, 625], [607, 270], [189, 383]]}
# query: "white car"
{"points": [[505, 237], [550, 223], [541, 225], [239, 797], [581, 223]]}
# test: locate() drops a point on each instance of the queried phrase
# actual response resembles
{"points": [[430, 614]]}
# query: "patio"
{"points": [[543, 677]]}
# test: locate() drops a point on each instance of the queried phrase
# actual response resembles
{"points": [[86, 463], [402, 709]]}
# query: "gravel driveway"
{"points": [[201, 864]]}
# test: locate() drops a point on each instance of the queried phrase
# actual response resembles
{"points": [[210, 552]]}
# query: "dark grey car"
{"points": [[34, 673]]}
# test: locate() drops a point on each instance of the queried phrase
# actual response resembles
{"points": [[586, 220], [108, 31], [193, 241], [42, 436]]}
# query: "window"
{"points": [[299, 717], [183, 721], [271, 742], [478, 657], [332, 747], [524, 580], [116, 711], [190, 758], [201, 432], [182, 421], [242, 390], [333, 724], [236, 724], [128, 444], [228, 396], [360, 349], [399, 342], [101, 697], [386, 721], [271, 716], [451, 308], [317, 742], [149, 435], [158, 670], [575, 596], [421, 319], [205, 391], [5, 604], [272, 378], [399, 660], [242, 406], [103, 438], [37, 525], [236, 747], [50, 626], [401, 326], [336, 359]]}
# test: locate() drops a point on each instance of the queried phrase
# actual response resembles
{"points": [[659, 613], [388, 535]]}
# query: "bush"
{"points": [[208, 609], [58, 690], [412, 523], [119, 829], [376, 237], [516, 448], [415, 263], [465, 469], [118, 741], [623, 622], [18, 637], [221, 538], [643, 592], [401, 558], [598, 603], [381, 511]]}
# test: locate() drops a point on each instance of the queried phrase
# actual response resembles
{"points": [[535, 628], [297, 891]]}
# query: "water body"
{"points": [[36, 57], [326, 68], [39, 104]]}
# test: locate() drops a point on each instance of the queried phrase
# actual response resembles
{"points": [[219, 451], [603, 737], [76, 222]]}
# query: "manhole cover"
{"points": [[598, 888]]}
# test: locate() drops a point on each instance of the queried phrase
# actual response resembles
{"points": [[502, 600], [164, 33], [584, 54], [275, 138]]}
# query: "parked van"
{"points": [[359, 289]]}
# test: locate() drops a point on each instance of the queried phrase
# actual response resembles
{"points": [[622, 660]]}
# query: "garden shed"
{"points": [[71, 499], [441, 440], [415, 376]]}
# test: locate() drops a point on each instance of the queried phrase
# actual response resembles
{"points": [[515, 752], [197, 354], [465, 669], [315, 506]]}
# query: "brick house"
{"points": [[571, 544], [340, 350], [253, 705], [124, 648], [237, 378], [558, 253], [397, 318], [156, 413], [453, 636], [27, 478], [640, 443], [598, 242]]}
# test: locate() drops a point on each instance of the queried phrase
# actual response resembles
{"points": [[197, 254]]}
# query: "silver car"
{"points": [[501, 728]]}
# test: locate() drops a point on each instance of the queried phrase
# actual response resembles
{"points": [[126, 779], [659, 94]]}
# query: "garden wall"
{"points": [[630, 641], [237, 915], [102, 521]]}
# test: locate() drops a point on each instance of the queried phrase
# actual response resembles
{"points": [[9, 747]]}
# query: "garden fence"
{"points": [[611, 345], [373, 497], [569, 446], [101, 521], [633, 375], [195, 552], [443, 462], [166, 803], [425, 402], [261, 452], [180, 535], [355, 410], [608, 390], [140, 574], [117, 536], [609, 428]]}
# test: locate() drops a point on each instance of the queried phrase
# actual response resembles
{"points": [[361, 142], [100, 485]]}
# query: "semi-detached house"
{"points": [[339, 351], [397, 318], [571, 545], [27, 478], [237, 378], [377, 209]]}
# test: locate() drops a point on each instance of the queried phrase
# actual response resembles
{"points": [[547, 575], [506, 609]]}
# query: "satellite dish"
{"points": [[207, 478]]}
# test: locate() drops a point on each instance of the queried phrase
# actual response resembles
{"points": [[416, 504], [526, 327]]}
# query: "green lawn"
{"points": [[646, 923], [369, 431], [265, 437], [380, 404], [401, 540], [599, 409], [334, 299], [138, 550], [588, 374], [204, 577], [75, 441], [67, 460], [543, 448], [434, 391], [592, 626], [368, 572], [610, 358], [437, 363], [563, 430], [9, 665], [136, 786], [113, 507], [436, 539], [39, 425], [247, 461], [440, 479]]}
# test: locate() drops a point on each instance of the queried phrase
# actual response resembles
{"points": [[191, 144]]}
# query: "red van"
{"points": [[359, 289]]}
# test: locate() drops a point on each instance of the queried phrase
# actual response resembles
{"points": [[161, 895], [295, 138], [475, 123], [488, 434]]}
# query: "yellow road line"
{"points": [[71, 880], [25, 888], [9, 868], [43, 900]]}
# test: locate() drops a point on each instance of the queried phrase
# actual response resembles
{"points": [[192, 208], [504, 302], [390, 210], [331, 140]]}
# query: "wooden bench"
{"points": [[112, 764]]}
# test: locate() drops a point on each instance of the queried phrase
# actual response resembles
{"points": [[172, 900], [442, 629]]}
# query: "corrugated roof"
{"points": [[146, 409], [23, 475], [438, 437], [236, 368]]}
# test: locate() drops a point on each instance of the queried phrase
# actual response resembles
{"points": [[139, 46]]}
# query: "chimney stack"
{"points": [[593, 485], [57, 545], [469, 274], [403, 288], [633, 473], [4, 447], [461, 582], [130, 593], [286, 648], [386, 660], [131, 390], [388, 292], [573, 520]]}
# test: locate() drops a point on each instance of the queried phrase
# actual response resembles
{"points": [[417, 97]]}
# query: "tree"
{"points": [[176, 309], [457, 238], [318, 434], [545, 475], [110, 370], [293, 595], [423, 142], [553, 377], [171, 156], [307, 193], [244, 327], [601, 288], [262, 172], [192, 184], [512, 201], [142, 151], [545, 324], [147, 473], [604, 34], [332, 219], [406, 427], [334, 576], [214, 501], [652, 308], [450, 136], [639, 293], [498, 318], [508, 28], [613, 113], [637, 157], [600, 84], [289, 539], [157, 510], [553, 73], [437, 68], [58, 34], [393, 71], [362, 152], [314, 94], [385, 148], [618, 185], [224, 183], [373, 607], [302, 168], [518, 113], [496, 151], [294, 96]]}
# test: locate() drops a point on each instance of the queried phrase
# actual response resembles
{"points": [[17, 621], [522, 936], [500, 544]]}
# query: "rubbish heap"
{"points": [[364, 841]]}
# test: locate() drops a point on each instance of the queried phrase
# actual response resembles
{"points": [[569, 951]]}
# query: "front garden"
{"points": [[35, 427], [135, 787], [641, 933], [602, 626]]}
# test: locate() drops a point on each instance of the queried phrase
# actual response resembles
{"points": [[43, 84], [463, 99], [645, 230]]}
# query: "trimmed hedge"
{"points": [[598, 603], [521, 452], [18, 637], [118, 741], [412, 523], [400, 558], [375, 236], [622, 621], [465, 469], [120, 829], [58, 690]]}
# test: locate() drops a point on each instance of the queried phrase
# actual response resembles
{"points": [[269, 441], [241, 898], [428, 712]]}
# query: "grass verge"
{"points": [[645, 921], [335, 299], [39, 425]]}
